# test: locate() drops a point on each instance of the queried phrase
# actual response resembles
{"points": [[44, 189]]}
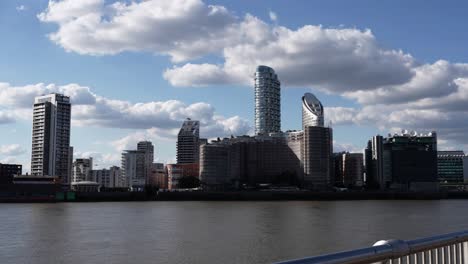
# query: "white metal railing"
{"points": [[443, 249]]}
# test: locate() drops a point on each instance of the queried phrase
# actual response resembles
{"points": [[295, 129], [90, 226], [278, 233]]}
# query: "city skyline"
{"points": [[396, 90]]}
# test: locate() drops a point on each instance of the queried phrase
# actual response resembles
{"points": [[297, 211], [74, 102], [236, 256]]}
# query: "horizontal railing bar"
{"points": [[393, 249], [357, 256]]}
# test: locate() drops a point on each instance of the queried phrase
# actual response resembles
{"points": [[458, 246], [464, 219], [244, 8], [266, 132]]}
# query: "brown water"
{"points": [[212, 232]]}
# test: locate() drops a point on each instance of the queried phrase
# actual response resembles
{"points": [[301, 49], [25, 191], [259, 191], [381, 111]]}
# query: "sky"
{"points": [[136, 69]]}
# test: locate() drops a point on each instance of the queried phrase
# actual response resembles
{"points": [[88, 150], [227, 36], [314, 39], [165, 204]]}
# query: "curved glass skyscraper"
{"points": [[267, 101], [312, 111]]}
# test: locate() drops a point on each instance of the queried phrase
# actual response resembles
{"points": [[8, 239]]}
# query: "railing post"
{"points": [[399, 248]]}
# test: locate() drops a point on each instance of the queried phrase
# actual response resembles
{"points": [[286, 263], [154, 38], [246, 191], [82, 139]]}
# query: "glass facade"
{"points": [[312, 111], [450, 166], [267, 101]]}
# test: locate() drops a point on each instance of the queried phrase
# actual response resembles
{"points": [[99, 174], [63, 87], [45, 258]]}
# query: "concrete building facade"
{"points": [[51, 137], [188, 142], [82, 170], [108, 178]]}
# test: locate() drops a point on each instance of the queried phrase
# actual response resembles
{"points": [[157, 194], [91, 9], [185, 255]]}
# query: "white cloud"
{"points": [[393, 89], [100, 160], [21, 8], [89, 109], [273, 16], [346, 147], [183, 29], [12, 150], [334, 59]]}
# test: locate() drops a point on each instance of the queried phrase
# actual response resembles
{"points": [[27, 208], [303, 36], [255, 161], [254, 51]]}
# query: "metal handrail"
{"points": [[448, 248]]}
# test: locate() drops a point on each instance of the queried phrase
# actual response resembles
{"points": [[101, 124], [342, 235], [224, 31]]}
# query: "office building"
{"points": [[108, 178], [450, 166], [188, 142], [8, 172], [51, 137], [82, 170], [404, 161], [267, 101], [353, 164], [375, 165], [312, 111], [317, 158]]}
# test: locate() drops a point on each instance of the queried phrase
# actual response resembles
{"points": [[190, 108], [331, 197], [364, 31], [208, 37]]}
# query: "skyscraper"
{"points": [[312, 111], [318, 151], [267, 101], [188, 142], [317, 145], [51, 137]]}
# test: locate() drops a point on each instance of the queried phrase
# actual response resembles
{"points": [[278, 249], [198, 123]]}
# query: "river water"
{"points": [[213, 232]]}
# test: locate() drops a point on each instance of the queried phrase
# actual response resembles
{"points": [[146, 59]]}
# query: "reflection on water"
{"points": [[213, 232]]}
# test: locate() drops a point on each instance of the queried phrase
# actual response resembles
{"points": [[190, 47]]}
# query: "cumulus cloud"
{"points": [[100, 160], [89, 109], [12, 150], [182, 29], [334, 59], [393, 89]]}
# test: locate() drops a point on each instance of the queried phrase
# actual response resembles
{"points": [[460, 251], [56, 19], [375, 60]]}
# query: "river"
{"points": [[213, 232]]}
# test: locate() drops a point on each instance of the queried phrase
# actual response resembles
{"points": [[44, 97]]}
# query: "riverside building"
{"points": [[51, 137], [317, 154], [82, 170], [188, 142], [137, 165], [108, 178], [406, 161], [451, 166], [232, 162], [267, 101]]}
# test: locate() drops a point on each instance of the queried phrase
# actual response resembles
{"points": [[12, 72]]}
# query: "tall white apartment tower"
{"points": [[51, 137], [267, 101]]}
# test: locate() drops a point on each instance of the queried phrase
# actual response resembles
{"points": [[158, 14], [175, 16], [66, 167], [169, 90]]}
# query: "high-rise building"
{"points": [[188, 142], [317, 154], [51, 137], [312, 111], [267, 101], [375, 164], [133, 169], [137, 165], [450, 166], [317, 158], [82, 170], [148, 148]]}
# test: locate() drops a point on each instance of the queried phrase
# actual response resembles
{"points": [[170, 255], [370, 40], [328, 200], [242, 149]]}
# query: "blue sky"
{"points": [[377, 67]]}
